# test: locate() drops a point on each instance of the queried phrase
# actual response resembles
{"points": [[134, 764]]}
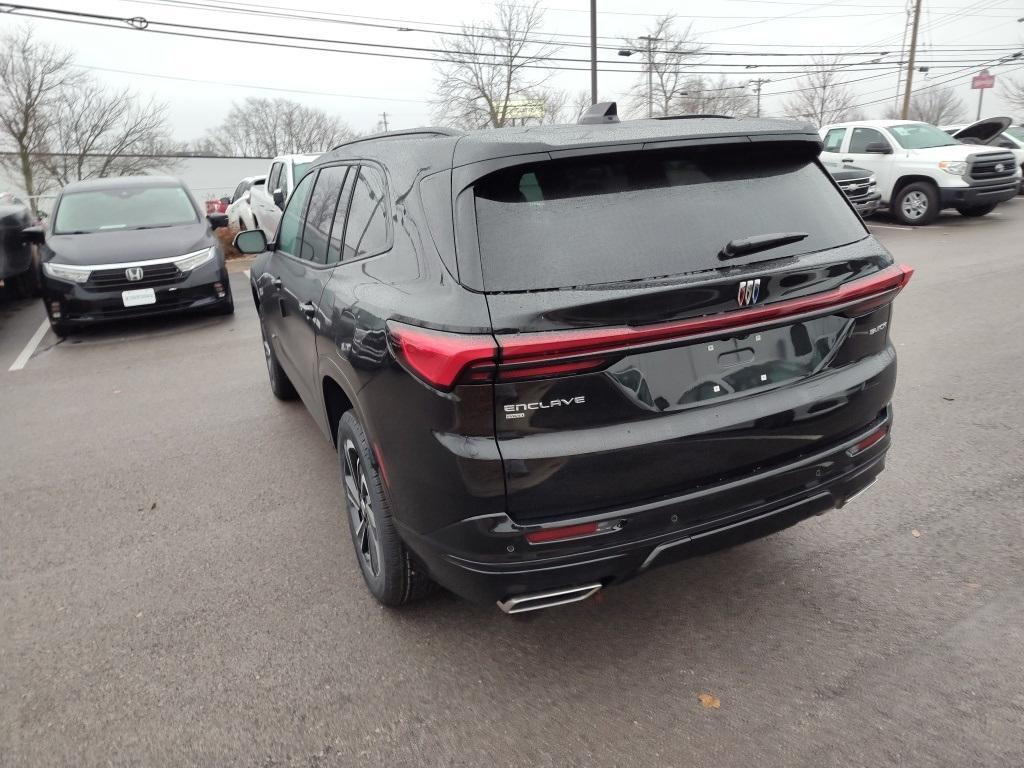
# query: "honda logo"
{"points": [[133, 273], [750, 292]]}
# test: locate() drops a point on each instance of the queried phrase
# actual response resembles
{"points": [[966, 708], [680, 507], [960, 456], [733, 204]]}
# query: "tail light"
{"points": [[445, 359]]}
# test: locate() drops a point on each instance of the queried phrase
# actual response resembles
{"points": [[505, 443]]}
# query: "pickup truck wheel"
{"points": [[916, 204], [392, 574], [280, 384], [975, 211]]}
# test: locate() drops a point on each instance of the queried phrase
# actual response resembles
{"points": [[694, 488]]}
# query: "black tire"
{"points": [[975, 211], [392, 574], [916, 204], [280, 384], [26, 285]]}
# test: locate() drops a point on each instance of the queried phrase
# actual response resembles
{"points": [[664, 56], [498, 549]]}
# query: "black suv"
{"points": [[552, 358]]}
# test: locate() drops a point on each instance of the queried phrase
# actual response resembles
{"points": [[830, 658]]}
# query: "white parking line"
{"points": [[245, 272], [889, 226], [30, 348]]}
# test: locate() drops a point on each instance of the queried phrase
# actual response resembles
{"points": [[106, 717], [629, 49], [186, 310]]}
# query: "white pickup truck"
{"points": [[267, 201], [921, 170]]}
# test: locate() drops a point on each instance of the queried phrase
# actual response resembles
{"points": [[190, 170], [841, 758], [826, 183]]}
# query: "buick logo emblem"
{"points": [[1000, 167], [133, 273], [750, 292]]}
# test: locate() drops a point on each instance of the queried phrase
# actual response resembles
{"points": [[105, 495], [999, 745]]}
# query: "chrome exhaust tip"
{"points": [[539, 600]]}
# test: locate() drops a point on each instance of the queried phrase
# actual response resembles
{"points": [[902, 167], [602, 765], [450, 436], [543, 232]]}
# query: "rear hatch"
{"points": [[668, 319]]}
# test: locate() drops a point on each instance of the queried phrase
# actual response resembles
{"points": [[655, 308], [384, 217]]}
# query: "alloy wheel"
{"points": [[914, 205], [360, 509]]}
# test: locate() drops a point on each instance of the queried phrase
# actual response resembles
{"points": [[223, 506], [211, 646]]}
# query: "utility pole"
{"points": [[593, 51], [903, 54], [910, 63], [758, 84], [384, 120], [650, 72]]}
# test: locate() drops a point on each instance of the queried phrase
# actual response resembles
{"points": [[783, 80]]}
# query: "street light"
{"points": [[650, 68]]}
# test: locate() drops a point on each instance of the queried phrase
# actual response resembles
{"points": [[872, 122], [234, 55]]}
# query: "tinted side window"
{"points": [[834, 140], [291, 220], [320, 214], [862, 137], [239, 190], [338, 227], [274, 180], [366, 232]]}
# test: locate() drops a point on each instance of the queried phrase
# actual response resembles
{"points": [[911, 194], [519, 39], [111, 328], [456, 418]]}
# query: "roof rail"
{"points": [[602, 112], [396, 134], [693, 117]]}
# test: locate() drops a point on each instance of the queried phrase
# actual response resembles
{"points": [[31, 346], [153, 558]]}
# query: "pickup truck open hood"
{"points": [[984, 131]]}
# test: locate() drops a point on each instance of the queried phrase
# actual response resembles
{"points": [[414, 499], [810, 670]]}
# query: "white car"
{"points": [[993, 131], [240, 215], [922, 170], [267, 202]]}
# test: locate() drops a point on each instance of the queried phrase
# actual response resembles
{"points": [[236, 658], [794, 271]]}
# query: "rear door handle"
{"points": [[308, 308], [847, 159]]}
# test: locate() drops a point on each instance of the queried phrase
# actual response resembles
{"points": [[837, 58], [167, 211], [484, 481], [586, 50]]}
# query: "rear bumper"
{"points": [[81, 306], [488, 559], [987, 194]]}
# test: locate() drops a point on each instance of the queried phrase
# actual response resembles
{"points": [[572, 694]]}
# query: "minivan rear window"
{"points": [[644, 215]]}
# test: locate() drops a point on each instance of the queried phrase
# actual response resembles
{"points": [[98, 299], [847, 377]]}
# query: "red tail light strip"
{"points": [[441, 358], [880, 287]]}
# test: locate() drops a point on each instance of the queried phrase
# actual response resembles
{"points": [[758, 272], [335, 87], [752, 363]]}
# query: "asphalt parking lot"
{"points": [[177, 585]]}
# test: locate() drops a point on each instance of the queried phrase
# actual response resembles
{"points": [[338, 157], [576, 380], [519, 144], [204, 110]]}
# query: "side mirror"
{"points": [[251, 241], [878, 148], [279, 197], [34, 234], [217, 220]]}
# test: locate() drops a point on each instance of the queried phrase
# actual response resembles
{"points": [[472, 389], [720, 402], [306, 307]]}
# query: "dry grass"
{"points": [[226, 235]]}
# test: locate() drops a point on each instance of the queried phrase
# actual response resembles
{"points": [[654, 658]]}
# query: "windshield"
{"points": [[98, 210], [1017, 131], [644, 215], [920, 136], [299, 170]]}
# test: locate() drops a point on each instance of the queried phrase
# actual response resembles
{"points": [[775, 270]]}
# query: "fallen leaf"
{"points": [[709, 700], [152, 507], [915, 533], [948, 399]]}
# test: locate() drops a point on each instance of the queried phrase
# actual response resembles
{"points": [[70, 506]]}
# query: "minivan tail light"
{"points": [[443, 359]]}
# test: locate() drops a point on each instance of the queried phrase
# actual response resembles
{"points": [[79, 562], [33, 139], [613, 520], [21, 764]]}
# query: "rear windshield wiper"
{"points": [[742, 246]]}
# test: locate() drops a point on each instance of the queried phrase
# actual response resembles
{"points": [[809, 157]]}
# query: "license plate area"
{"points": [[138, 298]]}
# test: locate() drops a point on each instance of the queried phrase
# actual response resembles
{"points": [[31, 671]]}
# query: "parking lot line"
{"points": [[245, 272], [30, 348], [889, 226]]}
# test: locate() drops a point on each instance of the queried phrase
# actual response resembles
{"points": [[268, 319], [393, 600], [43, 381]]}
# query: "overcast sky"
{"points": [[360, 88]]}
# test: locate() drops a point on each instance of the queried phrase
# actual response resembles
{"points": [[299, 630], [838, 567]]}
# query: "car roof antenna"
{"points": [[602, 112]]}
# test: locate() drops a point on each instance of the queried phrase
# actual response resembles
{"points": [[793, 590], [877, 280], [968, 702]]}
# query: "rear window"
{"points": [[643, 215]]}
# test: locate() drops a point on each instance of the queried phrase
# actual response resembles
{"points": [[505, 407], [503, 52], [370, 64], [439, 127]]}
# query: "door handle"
{"points": [[308, 308], [847, 159], [275, 281]]}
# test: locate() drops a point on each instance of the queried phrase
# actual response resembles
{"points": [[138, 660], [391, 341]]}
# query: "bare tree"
{"points": [[1013, 92], [671, 50], [821, 95], [33, 75], [491, 66], [704, 96], [269, 127], [938, 106], [99, 133]]}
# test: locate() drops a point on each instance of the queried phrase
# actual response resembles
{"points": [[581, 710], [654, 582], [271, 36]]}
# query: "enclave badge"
{"points": [[749, 293]]}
